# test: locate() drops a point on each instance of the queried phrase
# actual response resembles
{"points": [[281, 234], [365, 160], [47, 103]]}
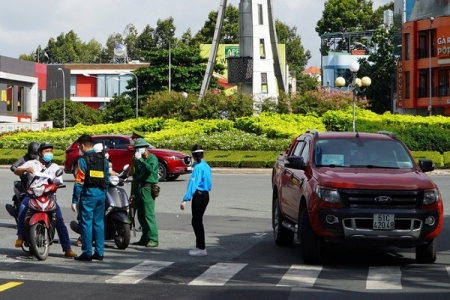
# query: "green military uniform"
{"points": [[146, 174]]}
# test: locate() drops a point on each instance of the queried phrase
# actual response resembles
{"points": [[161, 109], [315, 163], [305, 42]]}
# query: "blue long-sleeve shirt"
{"points": [[200, 180]]}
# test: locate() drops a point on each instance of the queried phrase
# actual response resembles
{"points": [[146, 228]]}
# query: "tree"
{"points": [[130, 35], [296, 56], [187, 67], [380, 67], [68, 48], [346, 16], [230, 30], [120, 108], [76, 112]]}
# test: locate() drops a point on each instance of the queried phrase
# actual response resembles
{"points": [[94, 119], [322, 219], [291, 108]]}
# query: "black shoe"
{"points": [[84, 257], [139, 243], [97, 257], [11, 210]]}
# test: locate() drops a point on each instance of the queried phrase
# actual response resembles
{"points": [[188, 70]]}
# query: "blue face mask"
{"points": [[48, 157]]}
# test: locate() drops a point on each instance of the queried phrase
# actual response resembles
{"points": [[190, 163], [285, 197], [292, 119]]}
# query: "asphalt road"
{"points": [[242, 261]]}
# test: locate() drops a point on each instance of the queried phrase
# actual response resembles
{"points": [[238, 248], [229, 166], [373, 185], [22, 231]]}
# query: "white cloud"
{"points": [[25, 24]]}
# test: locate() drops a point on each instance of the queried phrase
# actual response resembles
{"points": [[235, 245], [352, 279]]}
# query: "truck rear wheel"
{"points": [[310, 243], [281, 235], [426, 254]]}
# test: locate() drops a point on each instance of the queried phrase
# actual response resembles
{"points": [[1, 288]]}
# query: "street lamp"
{"points": [[170, 69], [137, 87], [64, 97], [430, 103], [354, 86]]}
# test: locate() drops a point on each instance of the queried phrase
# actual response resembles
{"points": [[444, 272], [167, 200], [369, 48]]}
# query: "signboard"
{"points": [[443, 41], [400, 91], [26, 126]]}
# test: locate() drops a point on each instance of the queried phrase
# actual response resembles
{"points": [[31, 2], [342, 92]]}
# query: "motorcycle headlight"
{"points": [[430, 197], [328, 195], [114, 180], [38, 190]]}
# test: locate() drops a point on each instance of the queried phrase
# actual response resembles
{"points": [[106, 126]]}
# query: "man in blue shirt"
{"points": [[198, 191], [89, 190]]}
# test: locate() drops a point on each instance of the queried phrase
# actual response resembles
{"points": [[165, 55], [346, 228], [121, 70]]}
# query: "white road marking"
{"points": [[218, 274], [139, 272], [384, 278], [300, 276]]}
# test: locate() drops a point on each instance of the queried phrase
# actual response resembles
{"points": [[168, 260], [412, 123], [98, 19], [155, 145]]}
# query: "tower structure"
{"points": [[257, 70]]}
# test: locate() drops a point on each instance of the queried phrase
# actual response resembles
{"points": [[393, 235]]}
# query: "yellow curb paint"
{"points": [[9, 285]]}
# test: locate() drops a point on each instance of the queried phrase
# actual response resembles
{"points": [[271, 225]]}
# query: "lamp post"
{"points": [[170, 69], [430, 102], [354, 86], [64, 97], [137, 87]]}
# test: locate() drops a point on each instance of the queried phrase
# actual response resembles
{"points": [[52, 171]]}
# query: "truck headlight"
{"points": [[328, 195], [430, 197]]}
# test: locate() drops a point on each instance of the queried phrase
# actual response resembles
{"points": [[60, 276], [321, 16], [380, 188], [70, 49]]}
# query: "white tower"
{"points": [[258, 69]]}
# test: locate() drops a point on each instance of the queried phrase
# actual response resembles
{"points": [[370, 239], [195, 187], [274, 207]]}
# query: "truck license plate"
{"points": [[383, 221]]}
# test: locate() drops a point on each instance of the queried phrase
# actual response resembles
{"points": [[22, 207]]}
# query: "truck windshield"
{"points": [[362, 152]]}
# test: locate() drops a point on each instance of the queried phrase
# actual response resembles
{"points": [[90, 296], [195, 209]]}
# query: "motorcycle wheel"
{"points": [[121, 234], [39, 241]]}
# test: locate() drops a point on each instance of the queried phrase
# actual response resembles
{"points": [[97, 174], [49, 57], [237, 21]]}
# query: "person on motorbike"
{"points": [[32, 153], [44, 165]]}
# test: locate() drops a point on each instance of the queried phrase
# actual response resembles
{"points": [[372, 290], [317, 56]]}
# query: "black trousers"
{"points": [[200, 201]]}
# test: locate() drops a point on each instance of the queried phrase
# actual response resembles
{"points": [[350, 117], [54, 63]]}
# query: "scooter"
{"points": [[20, 192], [40, 220], [117, 226]]}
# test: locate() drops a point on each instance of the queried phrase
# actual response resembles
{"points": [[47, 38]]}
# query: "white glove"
{"points": [[137, 155], [74, 207], [182, 205]]}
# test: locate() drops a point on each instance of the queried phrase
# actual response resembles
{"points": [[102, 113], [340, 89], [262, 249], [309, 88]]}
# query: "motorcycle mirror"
{"points": [[59, 172]]}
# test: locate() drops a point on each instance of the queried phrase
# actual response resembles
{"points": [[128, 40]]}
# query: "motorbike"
{"points": [[19, 188], [117, 226], [40, 219]]}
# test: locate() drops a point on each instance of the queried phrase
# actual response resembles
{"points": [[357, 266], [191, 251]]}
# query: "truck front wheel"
{"points": [[310, 243], [426, 254], [281, 235]]}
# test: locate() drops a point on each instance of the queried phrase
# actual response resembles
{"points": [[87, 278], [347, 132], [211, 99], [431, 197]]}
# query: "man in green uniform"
{"points": [[146, 174]]}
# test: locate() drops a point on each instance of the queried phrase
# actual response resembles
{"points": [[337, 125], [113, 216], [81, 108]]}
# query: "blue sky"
{"points": [[25, 24]]}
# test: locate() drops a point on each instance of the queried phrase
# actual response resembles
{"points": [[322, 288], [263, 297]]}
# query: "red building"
{"points": [[423, 74]]}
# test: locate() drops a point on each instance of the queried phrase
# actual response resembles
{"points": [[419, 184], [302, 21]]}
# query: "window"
{"points": [[262, 49], [264, 88], [407, 46], [407, 85], [260, 14], [298, 148]]}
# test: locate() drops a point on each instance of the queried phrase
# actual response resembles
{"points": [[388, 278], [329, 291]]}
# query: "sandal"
{"points": [[79, 242]]}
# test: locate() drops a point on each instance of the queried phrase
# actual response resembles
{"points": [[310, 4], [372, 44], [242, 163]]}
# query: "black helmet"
{"points": [[45, 145], [33, 148]]}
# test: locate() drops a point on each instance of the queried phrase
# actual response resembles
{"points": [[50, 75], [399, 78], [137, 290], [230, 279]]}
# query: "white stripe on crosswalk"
{"points": [[139, 272], [218, 274], [300, 276], [384, 278]]}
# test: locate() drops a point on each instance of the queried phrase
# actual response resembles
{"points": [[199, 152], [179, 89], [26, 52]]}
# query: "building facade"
{"points": [[423, 72]]}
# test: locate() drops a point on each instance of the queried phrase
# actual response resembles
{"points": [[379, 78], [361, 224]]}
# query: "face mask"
{"points": [[80, 152], [110, 170], [141, 150], [48, 157], [106, 155], [132, 142]]}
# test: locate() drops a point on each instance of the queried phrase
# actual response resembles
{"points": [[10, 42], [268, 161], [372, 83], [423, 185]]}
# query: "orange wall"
{"points": [[86, 86], [94, 105]]}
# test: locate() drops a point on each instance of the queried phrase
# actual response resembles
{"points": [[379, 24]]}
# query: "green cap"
{"points": [[141, 143], [137, 134]]}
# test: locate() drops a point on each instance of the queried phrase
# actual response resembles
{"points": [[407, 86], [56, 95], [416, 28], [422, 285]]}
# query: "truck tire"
{"points": [[281, 235], [310, 243], [426, 254]]}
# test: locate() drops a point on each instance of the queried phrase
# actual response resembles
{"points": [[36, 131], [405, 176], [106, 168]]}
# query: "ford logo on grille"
{"points": [[383, 199]]}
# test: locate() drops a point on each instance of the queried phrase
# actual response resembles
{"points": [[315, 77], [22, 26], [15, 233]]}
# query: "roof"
{"points": [[312, 70]]}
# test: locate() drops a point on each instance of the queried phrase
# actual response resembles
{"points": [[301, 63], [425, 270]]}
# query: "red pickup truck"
{"points": [[354, 188]]}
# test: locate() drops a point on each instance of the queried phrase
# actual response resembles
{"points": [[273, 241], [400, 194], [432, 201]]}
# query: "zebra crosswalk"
{"points": [[201, 273]]}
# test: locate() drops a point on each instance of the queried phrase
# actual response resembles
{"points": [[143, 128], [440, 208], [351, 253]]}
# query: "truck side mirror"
{"points": [[426, 165]]}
